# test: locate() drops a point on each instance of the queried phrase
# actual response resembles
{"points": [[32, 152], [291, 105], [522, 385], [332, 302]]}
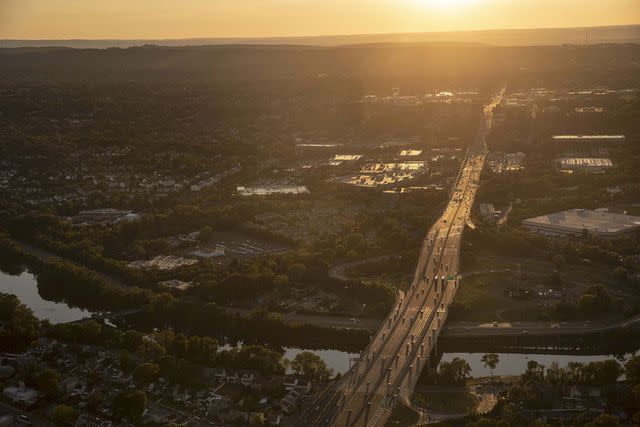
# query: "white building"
{"points": [[576, 222], [587, 164], [588, 138], [21, 395]]}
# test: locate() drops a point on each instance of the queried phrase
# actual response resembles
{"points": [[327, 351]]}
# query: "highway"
{"points": [[389, 367]]}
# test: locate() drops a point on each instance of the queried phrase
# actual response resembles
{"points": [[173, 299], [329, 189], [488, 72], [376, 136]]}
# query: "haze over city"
{"points": [[306, 213], [152, 19]]}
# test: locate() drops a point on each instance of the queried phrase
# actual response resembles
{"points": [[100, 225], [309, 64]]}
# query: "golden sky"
{"points": [[137, 19]]}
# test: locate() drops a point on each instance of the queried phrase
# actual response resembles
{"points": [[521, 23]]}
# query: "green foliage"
{"points": [[205, 234], [131, 340], [311, 366], [632, 370], [60, 280], [604, 372], [85, 332], [297, 272], [454, 372], [595, 300], [604, 420], [20, 321], [490, 360], [402, 416], [129, 405], [48, 382], [146, 373], [63, 415]]}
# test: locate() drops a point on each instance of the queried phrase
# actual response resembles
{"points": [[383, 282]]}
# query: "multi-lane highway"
{"points": [[390, 366]]}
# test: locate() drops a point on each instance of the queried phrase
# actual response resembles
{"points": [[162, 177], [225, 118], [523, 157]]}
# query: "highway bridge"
{"points": [[388, 369]]}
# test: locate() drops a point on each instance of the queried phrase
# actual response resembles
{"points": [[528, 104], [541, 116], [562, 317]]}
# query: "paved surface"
{"points": [[390, 366], [535, 328], [33, 418]]}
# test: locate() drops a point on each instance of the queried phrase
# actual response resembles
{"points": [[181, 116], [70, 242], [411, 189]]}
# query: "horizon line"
{"points": [[324, 35]]}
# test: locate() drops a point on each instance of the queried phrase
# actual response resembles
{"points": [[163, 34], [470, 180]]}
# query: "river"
{"points": [[516, 364], [25, 287]]}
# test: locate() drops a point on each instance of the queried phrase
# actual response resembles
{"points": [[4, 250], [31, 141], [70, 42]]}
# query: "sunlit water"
{"points": [[335, 359], [25, 287], [516, 364]]}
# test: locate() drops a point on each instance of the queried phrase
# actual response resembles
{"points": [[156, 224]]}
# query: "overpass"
{"points": [[388, 369]]}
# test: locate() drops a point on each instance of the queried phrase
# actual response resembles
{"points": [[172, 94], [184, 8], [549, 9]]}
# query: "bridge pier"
{"points": [[366, 415]]}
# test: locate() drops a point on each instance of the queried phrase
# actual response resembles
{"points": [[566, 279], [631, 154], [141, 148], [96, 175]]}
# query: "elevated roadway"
{"points": [[389, 367]]}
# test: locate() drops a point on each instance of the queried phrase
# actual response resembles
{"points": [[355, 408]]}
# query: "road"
{"points": [[389, 367], [33, 418], [535, 328]]}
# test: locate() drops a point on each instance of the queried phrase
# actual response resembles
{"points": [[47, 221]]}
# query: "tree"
{"points": [[490, 360], [206, 234], [604, 372], [534, 375], [48, 381], [454, 372], [129, 405], [311, 366], [19, 318], [125, 361], [297, 272], [632, 370], [63, 415], [150, 350], [595, 300], [604, 420], [130, 340], [146, 373], [576, 374]]}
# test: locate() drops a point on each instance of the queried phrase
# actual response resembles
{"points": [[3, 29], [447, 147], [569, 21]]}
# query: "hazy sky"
{"points": [[51, 19]]}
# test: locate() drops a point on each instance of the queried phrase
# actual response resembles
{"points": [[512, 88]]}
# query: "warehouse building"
{"points": [[576, 222], [588, 138], [586, 164]]}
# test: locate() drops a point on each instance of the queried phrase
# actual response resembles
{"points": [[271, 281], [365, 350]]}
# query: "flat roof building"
{"points": [[590, 164], [588, 138], [574, 222]]}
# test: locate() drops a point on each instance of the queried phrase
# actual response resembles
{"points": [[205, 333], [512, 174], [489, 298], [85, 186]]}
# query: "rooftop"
{"points": [[577, 220], [588, 137], [585, 162]]}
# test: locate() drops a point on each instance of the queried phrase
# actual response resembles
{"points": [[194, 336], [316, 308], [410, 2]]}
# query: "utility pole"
{"points": [[518, 272]]}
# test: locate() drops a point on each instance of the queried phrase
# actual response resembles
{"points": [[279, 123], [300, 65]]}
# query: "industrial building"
{"points": [[586, 164], [588, 138], [575, 222]]}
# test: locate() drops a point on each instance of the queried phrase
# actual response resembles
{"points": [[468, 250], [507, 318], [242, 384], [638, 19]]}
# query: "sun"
{"points": [[447, 4]]}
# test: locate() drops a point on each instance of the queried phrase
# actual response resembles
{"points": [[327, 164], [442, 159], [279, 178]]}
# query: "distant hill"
{"points": [[522, 37]]}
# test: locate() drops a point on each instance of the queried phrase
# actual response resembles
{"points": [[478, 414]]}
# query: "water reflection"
{"points": [[516, 364], [25, 286], [335, 359]]}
